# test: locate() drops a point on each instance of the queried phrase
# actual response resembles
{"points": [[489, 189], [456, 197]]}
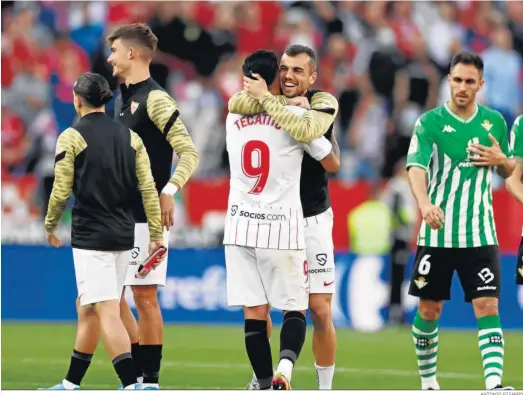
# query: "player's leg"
{"points": [[285, 279], [131, 325], [431, 281], [253, 384], [145, 293], [399, 257], [519, 264], [480, 278], [245, 288], [87, 337], [320, 259], [103, 288], [87, 330]]}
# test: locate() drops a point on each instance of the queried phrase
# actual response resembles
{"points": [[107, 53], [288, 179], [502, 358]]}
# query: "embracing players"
{"points": [[459, 145], [297, 72], [264, 232]]}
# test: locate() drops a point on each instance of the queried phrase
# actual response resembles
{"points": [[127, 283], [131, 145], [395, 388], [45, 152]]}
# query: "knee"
{"points": [[146, 298], [485, 307], [429, 310], [256, 313], [320, 310]]}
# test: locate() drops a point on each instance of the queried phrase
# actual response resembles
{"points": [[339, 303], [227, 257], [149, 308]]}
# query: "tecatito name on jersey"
{"points": [[462, 190], [264, 209]]}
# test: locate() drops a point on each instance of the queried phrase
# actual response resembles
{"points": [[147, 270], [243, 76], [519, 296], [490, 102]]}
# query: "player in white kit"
{"points": [[264, 230]]}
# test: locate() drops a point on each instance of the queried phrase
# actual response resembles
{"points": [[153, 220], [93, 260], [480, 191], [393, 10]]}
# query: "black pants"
{"points": [[400, 254]]}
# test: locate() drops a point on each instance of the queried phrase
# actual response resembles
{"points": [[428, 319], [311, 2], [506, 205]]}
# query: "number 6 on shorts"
{"points": [[424, 265]]}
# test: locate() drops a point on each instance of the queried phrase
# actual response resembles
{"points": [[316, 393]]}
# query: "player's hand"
{"points": [[300, 101], [255, 88], [153, 246], [487, 156], [167, 207], [53, 239], [433, 216]]}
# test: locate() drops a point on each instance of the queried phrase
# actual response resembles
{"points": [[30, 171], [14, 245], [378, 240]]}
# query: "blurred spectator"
{"points": [[29, 93], [503, 75], [367, 132], [14, 142], [444, 36]]}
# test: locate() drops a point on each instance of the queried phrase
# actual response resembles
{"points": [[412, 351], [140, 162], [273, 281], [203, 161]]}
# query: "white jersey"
{"points": [[264, 209]]}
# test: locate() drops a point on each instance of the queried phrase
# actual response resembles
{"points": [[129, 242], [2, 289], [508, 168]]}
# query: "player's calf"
{"points": [[324, 338], [257, 344], [292, 337], [116, 341], [425, 337], [151, 332], [490, 340]]}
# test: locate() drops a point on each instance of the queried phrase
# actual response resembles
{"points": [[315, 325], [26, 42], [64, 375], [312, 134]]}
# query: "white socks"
{"points": [[429, 382], [285, 367], [325, 376]]}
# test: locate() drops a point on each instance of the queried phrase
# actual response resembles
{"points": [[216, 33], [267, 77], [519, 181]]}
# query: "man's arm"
{"points": [[151, 203], [313, 124], [322, 150], [241, 103], [69, 144], [514, 184], [418, 159], [332, 162], [163, 111]]}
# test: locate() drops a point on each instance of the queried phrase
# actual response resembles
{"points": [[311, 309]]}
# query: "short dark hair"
{"points": [[262, 62], [467, 58], [138, 32], [93, 89], [297, 49]]}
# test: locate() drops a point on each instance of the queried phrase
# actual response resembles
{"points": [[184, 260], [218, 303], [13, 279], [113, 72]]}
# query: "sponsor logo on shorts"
{"points": [[262, 216], [420, 282], [135, 252], [326, 284], [486, 288], [234, 210], [322, 270], [321, 259]]}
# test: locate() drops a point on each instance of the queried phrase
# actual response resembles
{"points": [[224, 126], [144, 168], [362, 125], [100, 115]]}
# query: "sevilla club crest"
{"points": [[134, 106]]}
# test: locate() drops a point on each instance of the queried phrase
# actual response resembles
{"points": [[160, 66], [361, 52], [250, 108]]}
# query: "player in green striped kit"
{"points": [[459, 145], [514, 183]]}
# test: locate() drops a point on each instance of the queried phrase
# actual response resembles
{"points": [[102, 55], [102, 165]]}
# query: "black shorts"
{"points": [[478, 271], [519, 264]]}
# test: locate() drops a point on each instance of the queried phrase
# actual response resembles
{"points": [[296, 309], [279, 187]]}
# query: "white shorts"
{"points": [[100, 275], [140, 252], [259, 276], [320, 252]]}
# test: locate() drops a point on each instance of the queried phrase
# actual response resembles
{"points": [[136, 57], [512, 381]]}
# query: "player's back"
{"points": [[104, 180], [265, 166]]}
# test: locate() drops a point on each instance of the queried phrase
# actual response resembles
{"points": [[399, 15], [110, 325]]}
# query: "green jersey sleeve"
{"points": [[420, 148], [516, 137], [503, 140]]}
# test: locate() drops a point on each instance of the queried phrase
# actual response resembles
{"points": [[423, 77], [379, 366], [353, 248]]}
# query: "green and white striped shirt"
{"points": [[462, 190]]}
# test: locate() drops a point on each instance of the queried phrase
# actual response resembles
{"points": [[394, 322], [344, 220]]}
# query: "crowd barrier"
{"points": [[38, 285]]}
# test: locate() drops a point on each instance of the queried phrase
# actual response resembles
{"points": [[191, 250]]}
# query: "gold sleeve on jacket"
{"points": [[241, 103], [163, 111], [70, 143], [151, 202], [312, 124]]}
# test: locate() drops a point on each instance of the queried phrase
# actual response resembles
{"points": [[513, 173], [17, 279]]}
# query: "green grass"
{"points": [[210, 357]]}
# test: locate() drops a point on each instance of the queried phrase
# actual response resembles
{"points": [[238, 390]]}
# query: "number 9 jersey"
{"points": [[264, 209]]}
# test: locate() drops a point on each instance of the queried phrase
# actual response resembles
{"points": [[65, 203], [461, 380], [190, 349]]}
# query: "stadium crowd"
{"points": [[386, 62]]}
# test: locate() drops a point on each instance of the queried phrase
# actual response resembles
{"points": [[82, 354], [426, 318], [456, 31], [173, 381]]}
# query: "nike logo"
{"points": [[326, 284]]}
